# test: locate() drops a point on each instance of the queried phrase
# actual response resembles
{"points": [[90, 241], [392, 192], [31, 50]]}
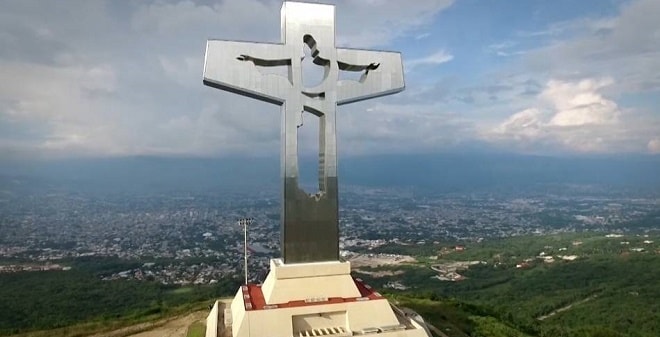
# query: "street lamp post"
{"points": [[245, 222]]}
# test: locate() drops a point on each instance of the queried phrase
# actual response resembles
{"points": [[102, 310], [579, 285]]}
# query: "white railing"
{"points": [[212, 321]]}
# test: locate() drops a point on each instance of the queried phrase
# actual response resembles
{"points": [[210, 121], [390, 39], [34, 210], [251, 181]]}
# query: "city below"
{"points": [[195, 238]]}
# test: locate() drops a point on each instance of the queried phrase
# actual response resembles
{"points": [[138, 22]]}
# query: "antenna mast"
{"points": [[245, 222]]}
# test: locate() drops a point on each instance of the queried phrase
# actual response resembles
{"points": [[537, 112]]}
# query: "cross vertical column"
{"points": [[310, 228]]}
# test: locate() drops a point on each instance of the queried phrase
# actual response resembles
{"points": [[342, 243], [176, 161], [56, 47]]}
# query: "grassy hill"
{"points": [[609, 289], [56, 299]]}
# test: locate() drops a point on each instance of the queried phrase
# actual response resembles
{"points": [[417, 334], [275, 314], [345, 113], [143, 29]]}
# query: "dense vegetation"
{"points": [[608, 291], [45, 300]]}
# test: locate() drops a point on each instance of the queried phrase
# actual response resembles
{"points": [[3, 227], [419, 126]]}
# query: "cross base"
{"points": [[312, 299]]}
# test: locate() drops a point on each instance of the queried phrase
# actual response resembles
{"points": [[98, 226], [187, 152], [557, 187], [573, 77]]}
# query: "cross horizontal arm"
{"points": [[232, 66], [384, 75]]}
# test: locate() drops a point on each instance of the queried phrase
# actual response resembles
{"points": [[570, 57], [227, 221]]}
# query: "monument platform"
{"points": [[312, 299]]}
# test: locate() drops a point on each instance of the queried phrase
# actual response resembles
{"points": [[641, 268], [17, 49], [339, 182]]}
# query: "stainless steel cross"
{"points": [[309, 227]]}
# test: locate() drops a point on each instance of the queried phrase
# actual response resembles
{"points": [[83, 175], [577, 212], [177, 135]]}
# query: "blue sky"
{"points": [[121, 78]]}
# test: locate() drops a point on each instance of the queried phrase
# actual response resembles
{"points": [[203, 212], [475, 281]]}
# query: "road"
{"points": [[554, 312]]}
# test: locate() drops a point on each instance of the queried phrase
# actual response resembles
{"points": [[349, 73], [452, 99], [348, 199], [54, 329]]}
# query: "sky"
{"points": [[92, 78]]}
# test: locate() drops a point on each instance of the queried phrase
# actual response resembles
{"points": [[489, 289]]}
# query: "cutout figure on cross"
{"points": [[309, 227]]}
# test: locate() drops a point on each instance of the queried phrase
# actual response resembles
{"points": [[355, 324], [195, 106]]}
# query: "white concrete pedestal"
{"points": [[314, 299]]}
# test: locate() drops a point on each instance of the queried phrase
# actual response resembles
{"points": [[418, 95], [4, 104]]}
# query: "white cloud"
{"points": [[434, 59], [624, 47], [504, 49], [245, 19], [360, 24], [72, 104], [42, 92], [580, 103], [99, 78], [124, 78], [526, 125], [654, 145], [382, 127], [599, 92], [574, 117], [184, 70], [376, 23]]}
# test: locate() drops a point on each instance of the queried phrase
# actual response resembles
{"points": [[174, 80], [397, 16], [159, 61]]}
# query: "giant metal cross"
{"points": [[309, 227]]}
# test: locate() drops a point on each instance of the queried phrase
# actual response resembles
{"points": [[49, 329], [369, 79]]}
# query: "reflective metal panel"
{"points": [[309, 222]]}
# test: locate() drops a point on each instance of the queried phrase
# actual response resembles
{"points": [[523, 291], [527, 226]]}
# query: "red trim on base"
{"points": [[253, 297]]}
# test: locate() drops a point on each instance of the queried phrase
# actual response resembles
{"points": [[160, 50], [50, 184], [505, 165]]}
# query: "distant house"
{"points": [[523, 265], [459, 248], [546, 258]]}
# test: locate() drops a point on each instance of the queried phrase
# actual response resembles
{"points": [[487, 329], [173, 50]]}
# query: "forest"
{"points": [[54, 299], [608, 290]]}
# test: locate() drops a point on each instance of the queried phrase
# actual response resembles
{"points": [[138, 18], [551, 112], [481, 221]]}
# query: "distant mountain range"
{"points": [[438, 172]]}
